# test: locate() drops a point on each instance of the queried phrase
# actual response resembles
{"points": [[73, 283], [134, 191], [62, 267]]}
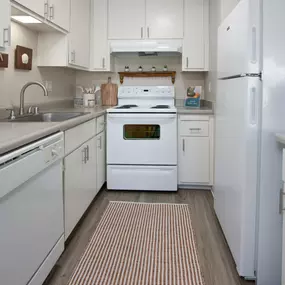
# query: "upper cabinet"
{"points": [[79, 37], [140, 19], [126, 19], [59, 13], [164, 19], [54, 11], [196, 36], [72, 50], [100, 52], [39, 7], [5, 27]]}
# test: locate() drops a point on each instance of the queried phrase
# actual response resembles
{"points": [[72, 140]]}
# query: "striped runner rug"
{"points": [[139, 243]]}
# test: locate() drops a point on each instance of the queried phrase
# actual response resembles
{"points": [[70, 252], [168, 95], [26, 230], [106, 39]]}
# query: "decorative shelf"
{"points": [[171, 74]]}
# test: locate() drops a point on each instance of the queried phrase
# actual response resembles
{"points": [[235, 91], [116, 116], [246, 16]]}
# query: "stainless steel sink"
{"points": [[47, 117]]}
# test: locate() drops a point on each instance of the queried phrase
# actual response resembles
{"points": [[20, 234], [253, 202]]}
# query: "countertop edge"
{"points": [[48, 130]]}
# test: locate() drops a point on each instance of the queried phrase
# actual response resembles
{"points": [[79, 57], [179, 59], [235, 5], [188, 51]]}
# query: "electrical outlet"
{"points": [[210, 87], [48, 85]]}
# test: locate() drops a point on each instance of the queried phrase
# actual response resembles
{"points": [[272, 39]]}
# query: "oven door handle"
{"points": [[142, 116]]}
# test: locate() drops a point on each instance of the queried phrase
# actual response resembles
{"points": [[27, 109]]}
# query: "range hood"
{"points": [[146, 47]]}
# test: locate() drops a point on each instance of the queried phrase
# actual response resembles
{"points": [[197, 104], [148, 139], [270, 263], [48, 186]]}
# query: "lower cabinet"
{"points": [[195, 150], [194, 165], [101, 160], [79, 183]]}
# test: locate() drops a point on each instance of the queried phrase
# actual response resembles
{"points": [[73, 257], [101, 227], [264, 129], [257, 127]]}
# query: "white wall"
{"points": [[183, 79], [219, 10], [12, 80]]}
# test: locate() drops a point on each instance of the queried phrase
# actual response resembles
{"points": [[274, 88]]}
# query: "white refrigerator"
{"points": [[250, 109]]}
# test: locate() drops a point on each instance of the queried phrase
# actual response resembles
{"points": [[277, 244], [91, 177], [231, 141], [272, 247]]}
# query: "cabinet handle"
{"points": [[195, 129], [84, 155], [141, 32], [103, 62], [51, 10], [281, 206], [46, 9], [6, 37], [187, 62], [100, 143], [87, 153], [73, 56], [148, 32], [183, 145]]}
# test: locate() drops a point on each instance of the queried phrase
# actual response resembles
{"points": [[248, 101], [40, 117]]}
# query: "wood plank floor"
{"points": [[214, 255]]}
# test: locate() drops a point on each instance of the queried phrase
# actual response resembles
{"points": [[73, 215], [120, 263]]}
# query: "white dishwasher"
{"points": [[31, 211]]}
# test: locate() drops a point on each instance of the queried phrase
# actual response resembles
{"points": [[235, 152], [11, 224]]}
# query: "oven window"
{"points": [[141, 132]]}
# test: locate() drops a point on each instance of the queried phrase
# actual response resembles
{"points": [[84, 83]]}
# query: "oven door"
{"points": [[142, 139]]}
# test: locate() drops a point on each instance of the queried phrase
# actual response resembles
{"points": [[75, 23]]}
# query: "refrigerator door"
{"points": [[239, 41], [236, 158]]}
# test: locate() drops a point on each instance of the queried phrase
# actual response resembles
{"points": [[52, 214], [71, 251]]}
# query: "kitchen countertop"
{"points": [[202, 111], [14, 135]]}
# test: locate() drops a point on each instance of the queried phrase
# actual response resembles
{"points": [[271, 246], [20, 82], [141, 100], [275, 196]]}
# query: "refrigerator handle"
{"points": [[253, 113], [254, 45]]}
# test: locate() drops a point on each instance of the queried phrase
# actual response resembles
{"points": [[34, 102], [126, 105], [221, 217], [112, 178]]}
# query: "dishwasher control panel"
{"points": [[53, 151]]}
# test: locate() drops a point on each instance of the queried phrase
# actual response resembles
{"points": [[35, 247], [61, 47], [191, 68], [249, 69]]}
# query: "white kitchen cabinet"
{"points": [[100, 52], [194, 160], [39, 7], [164, 19], [79, 37], [59, 13], [195, 150], [79, 183], [126, 19], [72, 50], [195, 55], [101, 160], [5, 26]]}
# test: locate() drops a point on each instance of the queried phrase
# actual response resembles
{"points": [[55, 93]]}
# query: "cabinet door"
{"points": [[101, 160], [5, 27], [164, 19], [59, 13], [38, 6], [79, 183], [126, 19], [100, 51], [79, 36], [196, 35], [194, 160]]}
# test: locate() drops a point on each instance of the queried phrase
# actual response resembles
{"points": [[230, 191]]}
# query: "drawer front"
{"points": [[101, 124], [78, 135], [194, 128]]}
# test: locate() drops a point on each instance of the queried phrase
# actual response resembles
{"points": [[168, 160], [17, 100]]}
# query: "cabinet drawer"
{"points": [[100, 124], [194, 128], [78, 135]]}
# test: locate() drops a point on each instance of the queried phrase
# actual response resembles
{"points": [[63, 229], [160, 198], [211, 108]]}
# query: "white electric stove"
{"points": [[142, 140]]}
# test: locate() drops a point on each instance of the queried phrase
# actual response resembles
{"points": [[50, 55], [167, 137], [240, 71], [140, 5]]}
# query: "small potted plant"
{"points": [[165, 68]]}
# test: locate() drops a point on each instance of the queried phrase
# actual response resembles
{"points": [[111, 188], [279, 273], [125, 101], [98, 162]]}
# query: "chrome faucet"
{"points": [[22, 94]]}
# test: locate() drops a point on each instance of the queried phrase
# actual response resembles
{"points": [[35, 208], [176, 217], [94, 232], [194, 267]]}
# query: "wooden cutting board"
{"points": [[109, 93]]}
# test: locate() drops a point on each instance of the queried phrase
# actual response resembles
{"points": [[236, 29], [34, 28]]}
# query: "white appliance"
{"points": [[250, 109], [142, 140], [31, 211], [147, 47]]}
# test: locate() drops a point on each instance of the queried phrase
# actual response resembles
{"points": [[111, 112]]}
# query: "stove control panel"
{"points": [[146, 91]]}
